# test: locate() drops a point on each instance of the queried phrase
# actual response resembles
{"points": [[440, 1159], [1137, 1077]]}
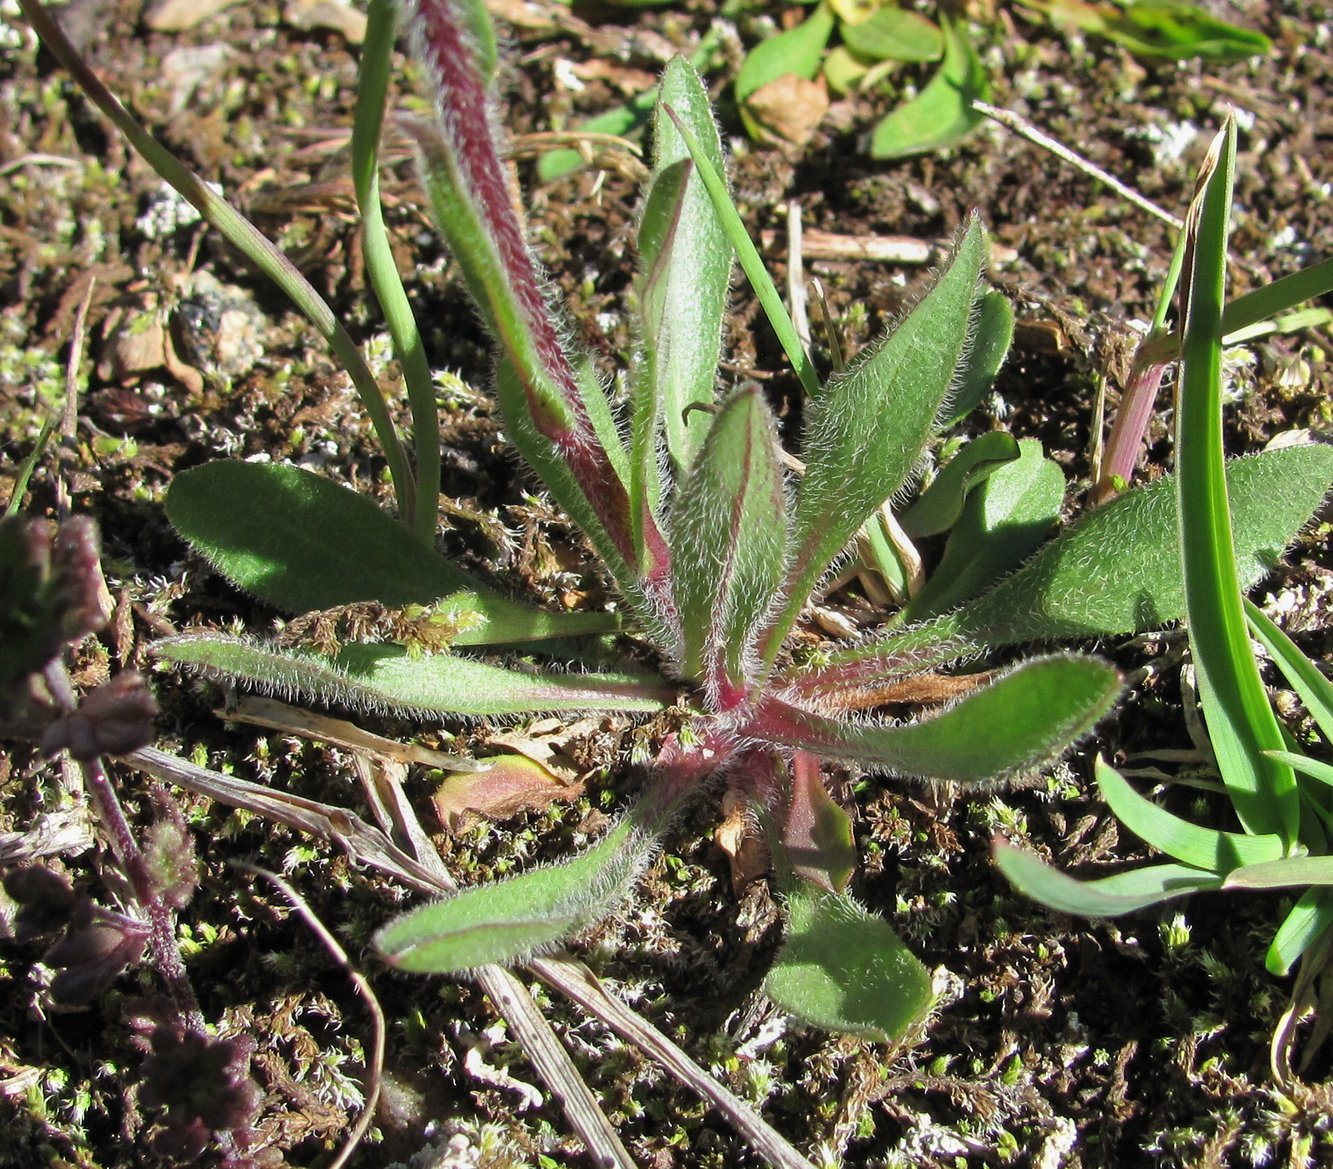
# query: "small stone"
{"points": [[332, 15]]}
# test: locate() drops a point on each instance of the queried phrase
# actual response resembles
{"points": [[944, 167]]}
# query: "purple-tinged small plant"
{"points": [[716, 551]]}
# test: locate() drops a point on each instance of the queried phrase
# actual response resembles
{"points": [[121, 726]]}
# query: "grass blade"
{"points": [[1236, 708]]}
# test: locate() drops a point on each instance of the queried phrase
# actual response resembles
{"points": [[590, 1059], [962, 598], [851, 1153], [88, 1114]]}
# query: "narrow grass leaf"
{"points": [[1200, 848], [1323, 772], [748, 256], [1240, 719], [1304, 676], [387, 678], [728, 530], [864, 433], [1303, 926], [844, 969], [1017, 724], [1283, 873], [1105, 897], [303, 543]]}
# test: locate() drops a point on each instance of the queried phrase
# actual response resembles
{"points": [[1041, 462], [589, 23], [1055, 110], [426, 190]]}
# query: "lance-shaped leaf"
{"points": [[1191, 844], [389, 678], [866, 430], [1304, 676], [1114, 570], [1106, 897], [1003, 522], [1018, 723], [303, 543], [1304, 925], [548, 406], [686, 271], [1240, 719], [846, 970], [728, 544], [511, 920], [992, 335]]}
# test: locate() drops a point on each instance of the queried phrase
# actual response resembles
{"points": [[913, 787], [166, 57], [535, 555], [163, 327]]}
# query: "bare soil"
{"points": [[1057, 1042]]}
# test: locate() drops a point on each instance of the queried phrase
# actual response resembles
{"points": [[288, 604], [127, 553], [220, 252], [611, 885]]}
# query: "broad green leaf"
{"points": [[302, 543], [941, 504], [511, 920], [1114, 570], [894, 34], [1012, 726], [1159, 28], [992, 335], [864, 432], [728, 532], [844, 969], [1304, 676], [798, 51], [1004, 520], [1240, 719], [942, 114], [388, 678], [686, 260], [1200, 848], [1309, 918], [1106, 897]]}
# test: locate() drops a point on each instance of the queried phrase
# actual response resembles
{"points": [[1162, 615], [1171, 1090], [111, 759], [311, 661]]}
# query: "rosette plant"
{"points": [[714, 549]]}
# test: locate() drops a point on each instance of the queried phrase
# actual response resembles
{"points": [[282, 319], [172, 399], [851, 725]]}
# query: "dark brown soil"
{"points": [[1057, 1042]]}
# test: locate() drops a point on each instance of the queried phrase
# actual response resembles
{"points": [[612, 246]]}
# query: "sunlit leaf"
{"points": [[1016, 724], [798, 52], [1309, 918], [302, 543], [940, 505], [942, 114], [1198, 847], [1105, 897], [895, 34], [389, 678]]}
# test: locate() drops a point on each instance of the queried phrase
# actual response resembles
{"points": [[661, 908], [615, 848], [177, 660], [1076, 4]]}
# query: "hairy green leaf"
{"points": [[389, 678], [1014, 725], [865, 431], [1114, 570], [941, 504], [992, 335], [728, 543], [508, 921], [845, 969], [686, 259], [302, 543]]}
